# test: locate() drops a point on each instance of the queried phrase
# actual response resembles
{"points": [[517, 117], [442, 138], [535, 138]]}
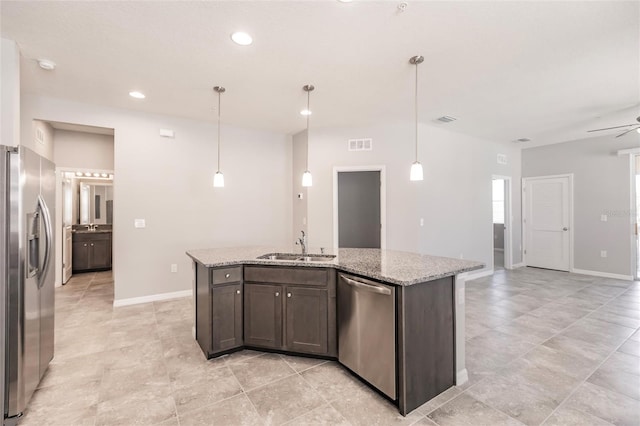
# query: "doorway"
{"points": [[359, 213], [502, 222], [547, 221]]}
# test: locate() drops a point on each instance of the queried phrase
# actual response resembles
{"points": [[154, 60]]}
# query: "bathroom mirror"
{"points": [[96, 203]]}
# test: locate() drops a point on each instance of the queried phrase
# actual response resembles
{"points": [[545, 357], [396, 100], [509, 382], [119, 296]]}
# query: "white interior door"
{"points": [[547, 221]]}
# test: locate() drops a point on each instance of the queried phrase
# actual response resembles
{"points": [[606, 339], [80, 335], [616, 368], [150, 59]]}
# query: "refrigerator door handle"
{"points": [[46, 217]]}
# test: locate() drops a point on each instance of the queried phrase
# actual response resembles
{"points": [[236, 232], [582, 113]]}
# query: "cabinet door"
{"points": [[80, 256], [263, 315], [100, 254], [306, 320], [226, 317]]}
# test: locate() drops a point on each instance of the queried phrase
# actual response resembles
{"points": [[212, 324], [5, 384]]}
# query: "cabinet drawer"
{"points": [[86, 236], [303, 276], [226, 275]]}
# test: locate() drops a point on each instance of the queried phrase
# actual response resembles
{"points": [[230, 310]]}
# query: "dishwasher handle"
{"points": [[367, 287]]}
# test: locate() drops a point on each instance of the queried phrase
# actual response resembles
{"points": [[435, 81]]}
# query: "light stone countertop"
{"points": [[390, 266]]}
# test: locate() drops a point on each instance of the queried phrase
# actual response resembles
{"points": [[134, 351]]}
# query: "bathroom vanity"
{"points": [[387, 316]]}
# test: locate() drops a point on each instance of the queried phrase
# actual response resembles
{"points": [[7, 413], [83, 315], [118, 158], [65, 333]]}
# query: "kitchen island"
{"points": [[387, 316]]}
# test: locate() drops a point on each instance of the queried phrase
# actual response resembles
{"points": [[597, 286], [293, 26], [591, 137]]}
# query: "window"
{"points": [[498, 201]]}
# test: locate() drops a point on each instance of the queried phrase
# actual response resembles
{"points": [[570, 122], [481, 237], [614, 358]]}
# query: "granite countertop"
{"points": [[394, 267]]}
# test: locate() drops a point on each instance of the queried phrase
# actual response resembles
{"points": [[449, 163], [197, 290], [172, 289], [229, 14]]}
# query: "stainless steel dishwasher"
{"points": [[367, 331]]}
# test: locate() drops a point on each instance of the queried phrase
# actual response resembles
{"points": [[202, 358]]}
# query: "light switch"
{"points": [[167, 133], [174, 267], [421, 221], [603, 218], [139, 223]]}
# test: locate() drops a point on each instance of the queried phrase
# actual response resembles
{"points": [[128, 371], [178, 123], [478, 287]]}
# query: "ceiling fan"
{"points": [[634, 126]]}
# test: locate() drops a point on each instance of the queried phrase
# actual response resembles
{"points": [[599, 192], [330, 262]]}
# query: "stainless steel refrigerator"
{"points": [[27, 198]]}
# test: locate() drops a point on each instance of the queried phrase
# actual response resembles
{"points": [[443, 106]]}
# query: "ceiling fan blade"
{"points": [[630, 130], [609, 128]]}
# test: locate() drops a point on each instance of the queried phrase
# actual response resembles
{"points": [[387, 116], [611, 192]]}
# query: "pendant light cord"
{"points": [[308, 114], [219, 95], [416, 111]]}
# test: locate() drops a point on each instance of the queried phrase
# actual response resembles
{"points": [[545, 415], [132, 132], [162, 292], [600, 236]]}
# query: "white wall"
{"points": [[299, 158], [9, 93], [602, 185], [454, 199], [43, 147], [168, 182], [80, 150]]}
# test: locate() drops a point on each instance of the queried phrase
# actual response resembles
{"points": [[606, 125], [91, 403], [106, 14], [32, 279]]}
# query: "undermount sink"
{"points": [[298, 257]]}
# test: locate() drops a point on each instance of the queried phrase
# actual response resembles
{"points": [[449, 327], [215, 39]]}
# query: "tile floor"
{"points": [[543, 347]]}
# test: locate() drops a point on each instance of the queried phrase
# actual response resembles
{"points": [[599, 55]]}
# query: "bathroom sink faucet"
{"points": [[302, 242]]}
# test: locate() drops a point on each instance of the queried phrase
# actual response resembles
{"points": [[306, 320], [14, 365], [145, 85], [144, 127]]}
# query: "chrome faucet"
{"points": [[302, 242]]}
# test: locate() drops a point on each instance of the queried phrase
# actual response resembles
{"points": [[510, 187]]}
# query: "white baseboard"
{"points": [[468, 276], [518, 265], [152, 298], [603, 274], [462, 377]]}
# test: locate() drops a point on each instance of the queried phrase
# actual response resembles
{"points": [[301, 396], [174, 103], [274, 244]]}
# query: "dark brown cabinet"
{"points": [[306, 320], [219, 308], [263, 315], [288, 309], [91, 251], [226, 317]]}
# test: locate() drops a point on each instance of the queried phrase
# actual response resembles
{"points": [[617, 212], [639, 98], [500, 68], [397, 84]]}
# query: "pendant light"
{"points": [[416, 167], [307, 180], [218, 178]]}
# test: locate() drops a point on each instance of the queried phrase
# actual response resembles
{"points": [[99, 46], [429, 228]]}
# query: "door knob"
{"points": [[227, 275], [565, 229], [277, 293], [288, 294]]}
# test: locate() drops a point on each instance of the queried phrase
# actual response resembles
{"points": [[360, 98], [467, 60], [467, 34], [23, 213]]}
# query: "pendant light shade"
{"points": [[416, 171], [307, 179], [416, 168], [218, 178]]}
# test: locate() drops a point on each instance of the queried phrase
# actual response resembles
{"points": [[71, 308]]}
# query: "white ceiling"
{"points": [[548, 71]]}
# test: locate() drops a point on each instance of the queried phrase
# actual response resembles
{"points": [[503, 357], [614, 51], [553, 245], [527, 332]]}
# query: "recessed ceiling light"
{"points": [[522, 140], [243, 39], [306, 112], [46, 64], [137, 95]]}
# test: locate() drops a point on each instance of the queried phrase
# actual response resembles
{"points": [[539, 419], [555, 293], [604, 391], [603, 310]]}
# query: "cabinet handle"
{"points": [[91, 244], [288, 294], [237, 291], [85, 245], [277, 293], [227, 275]]}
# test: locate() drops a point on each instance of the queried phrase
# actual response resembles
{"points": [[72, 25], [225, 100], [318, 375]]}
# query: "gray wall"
{"points": [[602, 185], [299, 159], [82, 150], [169, 182], [455, 199]]}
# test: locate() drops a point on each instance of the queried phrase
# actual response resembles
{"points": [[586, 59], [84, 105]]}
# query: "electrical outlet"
{"points": [[461, 256], [174, 267], [603, 253], [603, 218]]}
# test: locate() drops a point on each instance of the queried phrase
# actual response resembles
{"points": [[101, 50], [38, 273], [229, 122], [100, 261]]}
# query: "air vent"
{"points": [[521, 140], [360, 144], [446, 119], [39, 135]]}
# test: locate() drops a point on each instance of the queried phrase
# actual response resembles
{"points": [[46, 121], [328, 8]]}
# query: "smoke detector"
{"points": [[46, 64]]}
